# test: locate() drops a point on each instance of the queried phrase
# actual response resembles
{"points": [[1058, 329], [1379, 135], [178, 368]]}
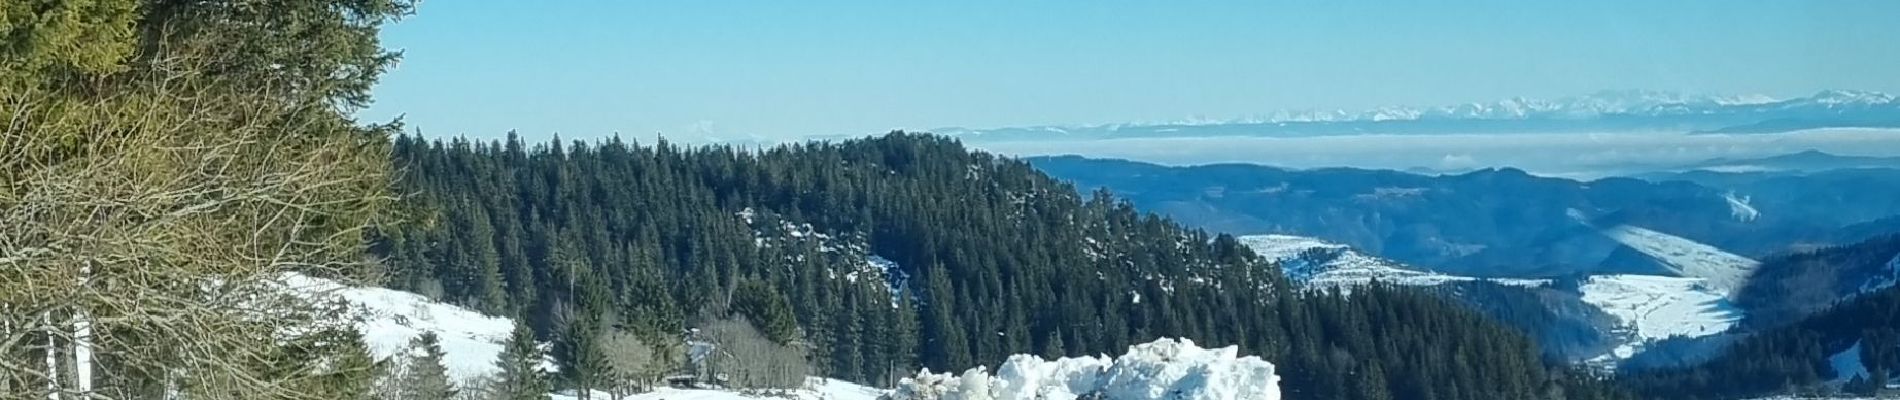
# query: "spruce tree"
{"points": [[355, 371], [991, 258], [521, 375], [423, 376], [584, 365]]}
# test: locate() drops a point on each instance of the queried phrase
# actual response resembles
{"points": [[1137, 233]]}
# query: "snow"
{"points": [[1658, 307], [1740, 209], [1723, 271], [895, 279], [1739, 169], [389, 319], [1885, 279], [1339, 266], [1692, 302], [1165, 368], [1846, 365], [471, 341], [1282, 247], [815, 389]]}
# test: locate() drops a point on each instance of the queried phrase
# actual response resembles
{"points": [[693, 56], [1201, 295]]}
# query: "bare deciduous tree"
{"points": [[748, 359]]}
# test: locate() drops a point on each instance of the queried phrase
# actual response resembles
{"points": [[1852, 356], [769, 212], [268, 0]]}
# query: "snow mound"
{"points": [[1163, 369], [1724, 271], [389, 319], [815, 389], [1658, 307], [1318, 263]]}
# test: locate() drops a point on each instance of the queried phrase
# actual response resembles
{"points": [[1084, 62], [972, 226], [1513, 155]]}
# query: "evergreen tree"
{"points": [[977, 257], [423, 376], [584, 366], [354, 374], [521, 376]]}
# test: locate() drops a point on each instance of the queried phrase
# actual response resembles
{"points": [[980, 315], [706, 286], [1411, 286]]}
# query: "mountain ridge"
{"points": [[1521, 224], [1628, 110]]}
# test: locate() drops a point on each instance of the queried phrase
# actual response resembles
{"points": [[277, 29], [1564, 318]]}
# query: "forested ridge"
{"points": [[1804, 308], [1794, 358], [986, 257]]}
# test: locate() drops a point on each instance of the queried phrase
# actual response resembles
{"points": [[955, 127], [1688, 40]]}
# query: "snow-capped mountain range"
{"points": [[1574, 107], [1604, 110]]}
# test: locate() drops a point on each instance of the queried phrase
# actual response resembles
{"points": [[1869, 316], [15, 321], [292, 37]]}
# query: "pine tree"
{"points": [[354, 374], [993, 258], [521, 375], [584, 366], [423, 375]]}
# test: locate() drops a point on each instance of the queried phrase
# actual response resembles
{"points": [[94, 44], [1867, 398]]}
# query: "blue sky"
{"points": [[778, 69]]}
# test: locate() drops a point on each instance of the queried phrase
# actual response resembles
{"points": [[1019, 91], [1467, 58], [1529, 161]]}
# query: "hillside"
{"points": [[1794, 285], [1600, 319], [1850, 347], [984, 257], [1501, 222]]}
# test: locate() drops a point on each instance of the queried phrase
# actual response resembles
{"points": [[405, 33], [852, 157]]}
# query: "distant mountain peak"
{"points": [[1855, 97], [1622, 103]]}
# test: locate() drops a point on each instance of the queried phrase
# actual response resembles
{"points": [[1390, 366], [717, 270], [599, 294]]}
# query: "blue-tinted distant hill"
{"points": [[1503, 222]]}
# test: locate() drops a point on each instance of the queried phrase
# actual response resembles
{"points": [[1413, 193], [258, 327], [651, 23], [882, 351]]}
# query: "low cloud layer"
{"points": [[1569, 155]]}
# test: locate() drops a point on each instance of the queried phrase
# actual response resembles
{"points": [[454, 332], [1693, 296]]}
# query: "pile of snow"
{"points": [[815, 389], [389, 319], [1658, 307], [1163, 369], [1318, 263], [1724, 271]]}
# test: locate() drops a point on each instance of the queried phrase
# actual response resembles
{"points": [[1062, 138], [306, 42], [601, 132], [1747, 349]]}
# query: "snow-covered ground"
{"points": [[1846, 365], [1658, 307], [1163, 369], [1691, 303], [1282, 247], [391, 318], [1739, 208], [471, 341], [1724, 271], [815, 389], [1885, 279], [1318, 263]]}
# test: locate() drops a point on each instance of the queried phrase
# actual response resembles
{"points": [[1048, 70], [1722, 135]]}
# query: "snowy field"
{"points": [[1658, 307], [1166, 368], [1723, 271], [1347, 267], [1650, 307], [391, 318]]}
